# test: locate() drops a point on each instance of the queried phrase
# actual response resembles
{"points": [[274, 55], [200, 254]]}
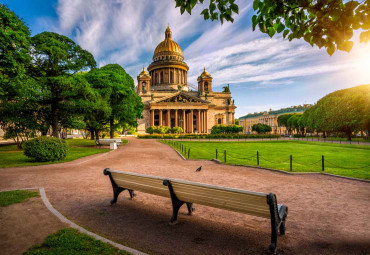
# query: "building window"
{"points": [[219, 121], [206, 86], [144, 86], [161, 77], [156, 78], [171, 76]]}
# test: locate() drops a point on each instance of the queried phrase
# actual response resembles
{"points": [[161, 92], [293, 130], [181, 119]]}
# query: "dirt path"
{"points": [[327, 215], [24, 225]]}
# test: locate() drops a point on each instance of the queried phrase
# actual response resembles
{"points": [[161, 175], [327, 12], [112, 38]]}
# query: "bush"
{"points": [[226, 129], [163, 130], [209, 136], [44, 149]]}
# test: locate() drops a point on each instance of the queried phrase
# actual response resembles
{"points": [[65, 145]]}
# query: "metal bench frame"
{"points": [[278, 213]]}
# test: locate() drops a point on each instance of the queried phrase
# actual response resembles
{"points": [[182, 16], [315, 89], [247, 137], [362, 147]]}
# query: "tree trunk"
{"points": [[349, 135], [92, 134], [54, 120], [96, 134], [111, 131]]}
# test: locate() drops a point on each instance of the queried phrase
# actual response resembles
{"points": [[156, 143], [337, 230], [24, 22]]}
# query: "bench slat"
{"points": [[230, 200], [147, 185]]}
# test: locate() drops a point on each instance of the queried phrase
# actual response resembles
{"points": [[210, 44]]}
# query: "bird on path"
{"points": [[198, 169]]}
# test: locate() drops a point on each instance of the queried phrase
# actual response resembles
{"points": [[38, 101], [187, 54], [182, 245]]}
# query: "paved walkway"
{"points": [[327, 215]]}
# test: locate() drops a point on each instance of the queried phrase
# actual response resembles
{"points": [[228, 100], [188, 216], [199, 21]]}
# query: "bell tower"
{"points": [[143, 82], [205, 82]]}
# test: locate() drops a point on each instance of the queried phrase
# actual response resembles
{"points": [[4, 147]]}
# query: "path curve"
{"points": [[327, 215]]}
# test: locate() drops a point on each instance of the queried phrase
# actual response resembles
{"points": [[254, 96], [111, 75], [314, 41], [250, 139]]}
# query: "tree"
{"points": [[294, 122], [282, 121], [56, 61], [14, 47], [345, 110], [237, 122], [324, 23], [118, 89], [18, 93], [261, 128]]}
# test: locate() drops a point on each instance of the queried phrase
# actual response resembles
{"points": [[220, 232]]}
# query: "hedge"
{"points": [[44, 149], [203, 136]]}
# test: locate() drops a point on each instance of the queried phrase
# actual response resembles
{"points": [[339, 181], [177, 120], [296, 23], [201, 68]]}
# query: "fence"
{"points": [[257, 159]]}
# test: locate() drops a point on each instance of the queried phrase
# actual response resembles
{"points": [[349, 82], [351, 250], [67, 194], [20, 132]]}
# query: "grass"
{"points": [[16, 196], [70, 242], [10, 156], [340, 159]]}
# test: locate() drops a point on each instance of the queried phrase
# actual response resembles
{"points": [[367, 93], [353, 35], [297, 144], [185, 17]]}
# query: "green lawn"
{"points": [[16, 196], [69, 241], [341, 159], [78, 148]]}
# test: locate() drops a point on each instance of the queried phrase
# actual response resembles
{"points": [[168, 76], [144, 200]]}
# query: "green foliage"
{"points": [[70, 241], [217, 10], [44, 149], [14, 46], [164, 130], [119, 105], [324, 23], [226, 129], [56, 61], [237, 122], [207, 136], [16, 196], [346, 110], [261, 128]]}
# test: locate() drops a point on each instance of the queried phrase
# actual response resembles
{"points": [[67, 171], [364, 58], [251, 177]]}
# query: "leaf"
{"points": [[234, 8], [365, 37], [271, 31], [346, 46], [212, 7], [330, 50], [256, 4], [285, 32]]}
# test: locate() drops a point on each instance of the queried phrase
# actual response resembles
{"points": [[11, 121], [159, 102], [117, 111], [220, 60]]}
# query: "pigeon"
{"points": [[198, 170]]}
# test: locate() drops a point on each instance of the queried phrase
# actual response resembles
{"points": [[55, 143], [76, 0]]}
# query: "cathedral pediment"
{"points": [[180, 97]]}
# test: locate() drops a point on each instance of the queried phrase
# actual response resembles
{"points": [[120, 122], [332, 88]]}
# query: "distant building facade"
{"points": [[269, 118], [168, 100]]}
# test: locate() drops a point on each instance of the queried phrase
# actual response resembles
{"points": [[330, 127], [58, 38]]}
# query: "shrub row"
{"points": [[43, 149], [226, 129], [164, 130], [210, 136]]}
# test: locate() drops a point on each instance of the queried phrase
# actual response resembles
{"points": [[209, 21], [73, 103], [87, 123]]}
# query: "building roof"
{"points": [[292, 109], [168, 45]]}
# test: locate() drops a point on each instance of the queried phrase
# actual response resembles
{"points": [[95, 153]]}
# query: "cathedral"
{"points": [[168, 100]]}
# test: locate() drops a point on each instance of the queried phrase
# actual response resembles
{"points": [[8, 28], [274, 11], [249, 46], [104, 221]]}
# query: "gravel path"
{"points": [[327, 215]]}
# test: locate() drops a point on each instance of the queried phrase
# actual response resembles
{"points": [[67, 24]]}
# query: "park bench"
{"points": [[186, 192], [109, 141]]}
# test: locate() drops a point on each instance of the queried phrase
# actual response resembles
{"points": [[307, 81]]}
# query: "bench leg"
{"points": [[116, 191], [176, 203], [132, 194], [275, 221], [190, 208]]}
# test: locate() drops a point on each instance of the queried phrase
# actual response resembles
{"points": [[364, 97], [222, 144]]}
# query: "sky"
{"points": [[264, 73]]}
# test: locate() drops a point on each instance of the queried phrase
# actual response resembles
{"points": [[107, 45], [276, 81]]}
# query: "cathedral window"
{"points": [[171, 76], [156, 78], [219, 121], [206, 86], [144, 86], [161, 77]]}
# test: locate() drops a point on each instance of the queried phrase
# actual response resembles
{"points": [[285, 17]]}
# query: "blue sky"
{"points": [[263, 73]]}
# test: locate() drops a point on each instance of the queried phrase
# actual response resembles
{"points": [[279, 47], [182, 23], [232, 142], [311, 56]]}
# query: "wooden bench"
{"points": [[186, 192]]}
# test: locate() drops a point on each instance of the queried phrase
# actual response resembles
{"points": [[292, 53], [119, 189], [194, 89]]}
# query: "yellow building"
{"points": [[169, 101], [269, 118]]}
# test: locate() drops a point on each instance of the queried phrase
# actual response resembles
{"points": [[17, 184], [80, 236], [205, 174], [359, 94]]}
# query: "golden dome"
{"points": [[168, 45], [205, 73], [144, 72]]}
